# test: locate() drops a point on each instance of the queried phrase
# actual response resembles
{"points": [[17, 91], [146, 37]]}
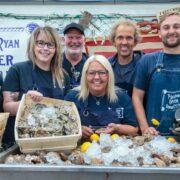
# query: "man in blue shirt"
{"points": [[73, 56], [158, 78], [124, 36]]}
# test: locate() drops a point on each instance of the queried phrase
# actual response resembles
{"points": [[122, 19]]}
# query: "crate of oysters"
{"points": [[50, 125]]}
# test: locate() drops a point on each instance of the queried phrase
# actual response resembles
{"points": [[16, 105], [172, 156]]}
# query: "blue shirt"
{"points": [[23, 77], [124, 74], [147, 65], [74, 72], [104, 112]]}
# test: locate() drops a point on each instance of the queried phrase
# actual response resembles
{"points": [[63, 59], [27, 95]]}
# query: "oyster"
{"points": [[76, 157]]}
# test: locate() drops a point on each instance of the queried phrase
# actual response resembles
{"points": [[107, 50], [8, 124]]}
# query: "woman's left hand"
{"points": [[35, 95]]}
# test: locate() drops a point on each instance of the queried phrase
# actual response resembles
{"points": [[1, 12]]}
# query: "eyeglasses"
{"points": [[41, 44], [100, 73]]}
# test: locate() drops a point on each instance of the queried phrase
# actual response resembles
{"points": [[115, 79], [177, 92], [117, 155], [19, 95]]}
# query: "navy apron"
{"points": [[98, 118], [163, 97]]}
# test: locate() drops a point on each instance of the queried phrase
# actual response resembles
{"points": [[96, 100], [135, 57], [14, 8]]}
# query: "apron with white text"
{"points": [[163, 96]]}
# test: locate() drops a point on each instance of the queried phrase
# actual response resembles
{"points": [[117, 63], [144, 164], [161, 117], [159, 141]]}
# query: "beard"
{"points": [[168, 44], [74, 52]]}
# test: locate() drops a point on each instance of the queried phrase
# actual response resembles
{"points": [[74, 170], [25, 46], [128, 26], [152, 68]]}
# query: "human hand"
{"points": [[150, 130], [35, 95], [86, 132], [110, 129]]}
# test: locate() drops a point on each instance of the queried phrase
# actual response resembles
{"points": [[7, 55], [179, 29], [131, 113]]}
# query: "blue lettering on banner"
{"points": [[120, 112], [7, 44], [170, 100], [6, 60]]}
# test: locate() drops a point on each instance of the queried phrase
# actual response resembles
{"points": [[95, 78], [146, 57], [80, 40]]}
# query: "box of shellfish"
{"points": [[49, 124]]}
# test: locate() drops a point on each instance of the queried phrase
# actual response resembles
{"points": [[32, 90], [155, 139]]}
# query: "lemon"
{"points": [[85, 146], [94, 137], [155, 122], [114, 136], [171, 139]]}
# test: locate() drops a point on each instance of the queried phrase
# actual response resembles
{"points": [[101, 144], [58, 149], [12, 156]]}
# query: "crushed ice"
{"points": [[122, 150]]}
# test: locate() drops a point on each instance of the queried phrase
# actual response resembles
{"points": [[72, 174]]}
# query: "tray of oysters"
{"points": [[48, 118], [110, 150]]}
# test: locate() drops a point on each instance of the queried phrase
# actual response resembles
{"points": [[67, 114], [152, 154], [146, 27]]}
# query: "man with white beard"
{"points": [[73, 56], [158, 79]]}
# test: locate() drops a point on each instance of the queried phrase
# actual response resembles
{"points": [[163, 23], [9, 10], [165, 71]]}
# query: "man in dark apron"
{"points": [[124, 36], [158, 78], [73, 56]]}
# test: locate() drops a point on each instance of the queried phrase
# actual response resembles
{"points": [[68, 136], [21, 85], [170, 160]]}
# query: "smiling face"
{"points": [[44, 50], [74, 41], [124, 40], [170, 31], [97, 79]]}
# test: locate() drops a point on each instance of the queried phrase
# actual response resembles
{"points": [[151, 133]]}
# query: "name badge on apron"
{"points": [[120, 112]]}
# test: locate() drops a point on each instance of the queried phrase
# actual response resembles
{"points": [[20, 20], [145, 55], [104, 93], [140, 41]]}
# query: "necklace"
{"points": [[98, 100]]}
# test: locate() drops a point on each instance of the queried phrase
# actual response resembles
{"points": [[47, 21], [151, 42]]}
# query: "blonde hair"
{"points": [[125, 22], [84, 89], [56, 62]]}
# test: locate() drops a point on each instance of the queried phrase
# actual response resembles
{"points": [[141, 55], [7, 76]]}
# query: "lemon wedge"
{"points": [[171, 139], [94, 137], [85, 146], [114, 136], [155, 122]]}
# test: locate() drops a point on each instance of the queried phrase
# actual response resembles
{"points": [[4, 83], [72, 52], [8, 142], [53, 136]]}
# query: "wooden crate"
{"points": [[53, 143], [3, 121]]}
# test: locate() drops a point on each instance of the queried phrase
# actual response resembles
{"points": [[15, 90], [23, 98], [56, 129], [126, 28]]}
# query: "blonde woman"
{"points": [[101, 107], [42, 75]]}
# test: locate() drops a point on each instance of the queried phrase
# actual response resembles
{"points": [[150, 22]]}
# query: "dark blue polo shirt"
{"points": [[91, 113]]}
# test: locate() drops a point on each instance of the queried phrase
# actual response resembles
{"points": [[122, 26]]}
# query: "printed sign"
{"points": [[13, 42], [170, 100]]}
